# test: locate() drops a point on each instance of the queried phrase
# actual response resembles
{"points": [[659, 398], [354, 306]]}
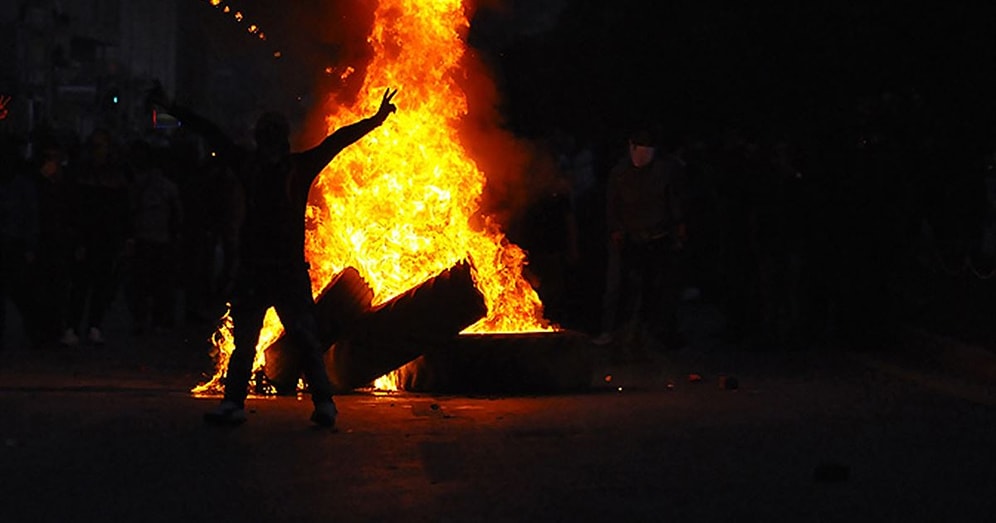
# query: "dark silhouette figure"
{"points": [[18, 237], [224, 216], [548, 232], [743, 170], [50, 279], [781, 230], [157, 214], [701, 259], [272, 270], [100, 219], [644, 206]]}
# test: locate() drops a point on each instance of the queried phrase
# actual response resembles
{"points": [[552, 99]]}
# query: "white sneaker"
{"points": [[604, 338], [325, 414], [94, 336], [228, 413], [69, 338], [691, 294]]}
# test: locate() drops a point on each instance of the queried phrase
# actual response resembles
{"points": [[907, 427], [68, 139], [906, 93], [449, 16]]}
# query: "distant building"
{"points": [[77, 65]]}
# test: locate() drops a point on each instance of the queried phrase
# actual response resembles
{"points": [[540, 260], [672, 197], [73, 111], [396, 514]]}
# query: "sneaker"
{"points": [[325, 414], [691, 294], [228, 413], [69, 338], [604, 338], [94, 336]]}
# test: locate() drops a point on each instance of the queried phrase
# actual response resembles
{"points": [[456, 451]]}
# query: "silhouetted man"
{"points": [[272, 270], [645, 220]]}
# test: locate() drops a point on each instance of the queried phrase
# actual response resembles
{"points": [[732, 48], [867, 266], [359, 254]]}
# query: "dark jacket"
{"points": [[645, 202], [275, 196]]}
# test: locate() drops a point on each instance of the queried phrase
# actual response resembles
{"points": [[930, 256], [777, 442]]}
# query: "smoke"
{"points": [[518, 170]]}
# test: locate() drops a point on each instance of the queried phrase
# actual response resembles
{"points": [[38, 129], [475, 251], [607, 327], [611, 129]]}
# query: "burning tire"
{"points": [[400, 330], [527, 363], [343, 300]]}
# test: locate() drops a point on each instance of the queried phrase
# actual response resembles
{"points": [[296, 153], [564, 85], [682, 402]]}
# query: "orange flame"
{"points": [[402, 204]]}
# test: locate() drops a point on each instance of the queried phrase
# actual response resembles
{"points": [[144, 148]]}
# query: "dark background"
{"points": [[598, 67], [915, 81], [697, 65]]}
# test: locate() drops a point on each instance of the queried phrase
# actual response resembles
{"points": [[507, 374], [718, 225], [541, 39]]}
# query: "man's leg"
{"points": [[633, 291], [610, 298], [247, 320], [296, 309], [104, 286], [660, 316], [79, 288], [248, 311]]}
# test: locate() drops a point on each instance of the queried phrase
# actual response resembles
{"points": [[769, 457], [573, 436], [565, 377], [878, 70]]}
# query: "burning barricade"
{"points": [[393, 220]]}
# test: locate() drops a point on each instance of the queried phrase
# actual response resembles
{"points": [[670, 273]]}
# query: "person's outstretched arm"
{"points": [[226, 149], [312, 161]]}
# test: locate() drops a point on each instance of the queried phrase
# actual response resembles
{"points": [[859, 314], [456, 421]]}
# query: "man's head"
{"points": [[51, 158], [140, 154], [641, 148], [100, 142], [272, 135]]}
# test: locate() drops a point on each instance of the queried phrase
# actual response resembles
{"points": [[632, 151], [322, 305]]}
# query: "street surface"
{"points": [[907, 433]]}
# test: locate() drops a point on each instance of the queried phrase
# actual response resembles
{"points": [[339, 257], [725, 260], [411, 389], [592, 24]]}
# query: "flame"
{"points": [[402, 204]]}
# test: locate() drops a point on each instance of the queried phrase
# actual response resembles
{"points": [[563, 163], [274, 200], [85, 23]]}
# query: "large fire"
{"points": [[402, 204]]}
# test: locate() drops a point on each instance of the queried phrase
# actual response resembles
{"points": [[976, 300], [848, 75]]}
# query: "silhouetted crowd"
{"points": [[831, 233], [799, 236], [86, 221]]}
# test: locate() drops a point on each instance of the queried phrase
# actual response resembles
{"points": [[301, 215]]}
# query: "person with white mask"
{"points": [[645, 221]]}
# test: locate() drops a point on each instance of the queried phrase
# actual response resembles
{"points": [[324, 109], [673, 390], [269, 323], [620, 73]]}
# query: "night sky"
{"points": [[703, 63], [689, 65]]}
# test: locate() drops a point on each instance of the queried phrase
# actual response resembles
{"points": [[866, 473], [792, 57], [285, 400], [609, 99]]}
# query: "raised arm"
{"points": [[312, 161], [226, 149]]}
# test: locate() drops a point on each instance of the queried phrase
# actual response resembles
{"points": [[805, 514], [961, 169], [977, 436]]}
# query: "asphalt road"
{"points": [[905, 433]]}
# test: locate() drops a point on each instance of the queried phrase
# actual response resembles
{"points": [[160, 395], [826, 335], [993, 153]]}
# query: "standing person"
{"points": [[742, 171], [50, 282], [18, 238], [225, 216], [782, 247], [272, 270], [548, 233], [645, 221], [100, 217], [702, 250], [156, 217], [204, 201]]}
